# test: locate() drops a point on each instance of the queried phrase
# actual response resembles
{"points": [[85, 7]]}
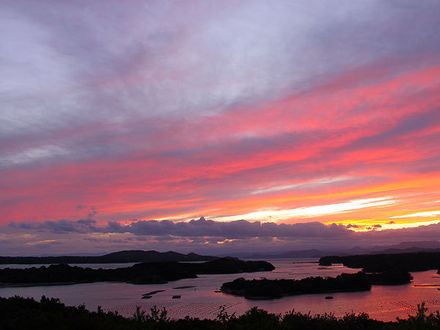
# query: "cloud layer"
{"points": [[204, 236]]}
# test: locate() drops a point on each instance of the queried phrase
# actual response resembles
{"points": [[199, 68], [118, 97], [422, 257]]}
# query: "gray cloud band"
{"points": [[194, 228]]}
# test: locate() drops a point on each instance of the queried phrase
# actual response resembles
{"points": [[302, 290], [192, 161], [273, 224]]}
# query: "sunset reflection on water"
{"points": [[382, 302]]}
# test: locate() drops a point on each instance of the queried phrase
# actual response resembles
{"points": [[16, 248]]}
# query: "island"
{"points": [[409, 262], [273, 289], [142, 273]]}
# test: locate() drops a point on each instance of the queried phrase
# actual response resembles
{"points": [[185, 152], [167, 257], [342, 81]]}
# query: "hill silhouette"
{"points": [[114, 257]]}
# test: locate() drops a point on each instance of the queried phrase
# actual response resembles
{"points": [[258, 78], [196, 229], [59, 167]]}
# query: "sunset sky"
{"points": [[285, 124]]}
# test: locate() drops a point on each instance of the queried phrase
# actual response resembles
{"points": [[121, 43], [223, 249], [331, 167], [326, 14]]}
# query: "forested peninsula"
{"points": [[142, 273]]}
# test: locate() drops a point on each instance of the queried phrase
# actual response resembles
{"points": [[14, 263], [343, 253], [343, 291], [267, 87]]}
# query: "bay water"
{"points": [[200, 297]]}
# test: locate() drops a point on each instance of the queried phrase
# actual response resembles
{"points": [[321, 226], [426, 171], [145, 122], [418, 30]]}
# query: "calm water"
{"points": [[201, 300]]}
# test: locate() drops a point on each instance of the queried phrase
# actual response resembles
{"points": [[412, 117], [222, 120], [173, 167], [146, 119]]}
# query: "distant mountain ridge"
{"points": [[403, 247], [114, 257]]}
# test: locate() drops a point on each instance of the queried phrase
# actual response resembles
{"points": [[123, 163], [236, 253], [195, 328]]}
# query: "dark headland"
{"points": [[410, 262], [142, 273]]}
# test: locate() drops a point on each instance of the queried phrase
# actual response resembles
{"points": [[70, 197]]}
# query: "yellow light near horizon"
{"points": [[367, 224]]}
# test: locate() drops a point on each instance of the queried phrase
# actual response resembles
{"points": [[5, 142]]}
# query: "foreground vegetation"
{"points": [[26, 313], [271, 289], [143, 273]]}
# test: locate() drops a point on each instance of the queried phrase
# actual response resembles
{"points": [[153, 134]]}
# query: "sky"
{"points": [[218, 126]]}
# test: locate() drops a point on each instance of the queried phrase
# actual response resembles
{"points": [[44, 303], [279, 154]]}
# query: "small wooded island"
{"points": [[143, 273], [272, 289]]}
